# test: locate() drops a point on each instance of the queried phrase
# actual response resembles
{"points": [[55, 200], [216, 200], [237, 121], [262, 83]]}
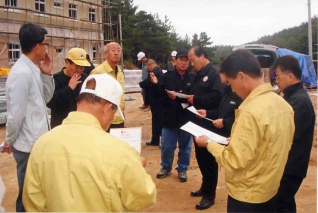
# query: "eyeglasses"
{"points": [[278, 77], [45, 43]]}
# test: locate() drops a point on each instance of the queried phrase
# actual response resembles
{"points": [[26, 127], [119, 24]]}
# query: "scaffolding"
{"points": [[74, 23]]}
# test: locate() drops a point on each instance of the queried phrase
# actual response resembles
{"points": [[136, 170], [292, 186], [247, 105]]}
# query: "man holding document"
{"points": [[206, 93], [260, 139], [79, 167], [174, 116]]}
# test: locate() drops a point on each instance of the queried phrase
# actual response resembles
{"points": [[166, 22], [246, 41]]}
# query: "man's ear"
{"points": [[241, 76], [107, 106]]}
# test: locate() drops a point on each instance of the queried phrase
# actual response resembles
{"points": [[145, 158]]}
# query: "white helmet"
{"points": [[140, 55], [174, 53]]}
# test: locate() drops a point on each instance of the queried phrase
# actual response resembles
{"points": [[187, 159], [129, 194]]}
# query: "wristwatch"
{"points": [[207, 142]]}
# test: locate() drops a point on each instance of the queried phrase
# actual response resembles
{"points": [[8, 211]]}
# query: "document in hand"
{"points": [[178, 94], [130, 135], [199, 131], [194, 110]]}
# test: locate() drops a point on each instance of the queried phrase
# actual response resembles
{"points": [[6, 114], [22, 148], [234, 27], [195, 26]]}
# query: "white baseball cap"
{"points": [[140, 55], [106, 88], [174, 53]]}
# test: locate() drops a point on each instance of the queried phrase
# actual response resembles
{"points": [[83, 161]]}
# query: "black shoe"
{"points": [[197, 193], [152, 143], [204, 204]]}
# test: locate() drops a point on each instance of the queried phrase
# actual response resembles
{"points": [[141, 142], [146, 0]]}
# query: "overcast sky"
{"points": [[231, 22]]}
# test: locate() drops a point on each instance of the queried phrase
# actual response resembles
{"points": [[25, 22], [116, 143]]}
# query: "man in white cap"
{"points": [[144, 74], [78, 167], [172, 63], [68, 83]]}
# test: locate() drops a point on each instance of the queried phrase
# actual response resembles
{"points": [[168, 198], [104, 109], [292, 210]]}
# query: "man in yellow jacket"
{"points": [[78, 167], [260, 139], [109, 66]]}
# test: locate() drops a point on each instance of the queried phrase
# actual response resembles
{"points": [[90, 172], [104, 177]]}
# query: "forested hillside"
{"points": [[143, 31]]}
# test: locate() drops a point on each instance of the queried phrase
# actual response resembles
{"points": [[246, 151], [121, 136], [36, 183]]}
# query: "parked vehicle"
{"points": [[267, 54]]}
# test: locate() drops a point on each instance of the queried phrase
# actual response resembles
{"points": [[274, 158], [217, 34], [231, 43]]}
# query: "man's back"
{"points": [[79, 167]]}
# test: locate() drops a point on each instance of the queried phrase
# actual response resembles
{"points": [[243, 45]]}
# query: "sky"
{"points": [[230, 22]]}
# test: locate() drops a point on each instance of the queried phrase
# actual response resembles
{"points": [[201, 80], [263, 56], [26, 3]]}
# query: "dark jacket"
{"points": [[207, 90], [229, 103], [174, 116], [152, 95], [304, 117], [64, 98]]}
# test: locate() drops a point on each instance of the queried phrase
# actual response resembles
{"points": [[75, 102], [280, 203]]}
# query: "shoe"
{"points": [[182, 176], [204, 204], [163, 173], [143, 107], [152, 143], [197, 193], [147, 109]]}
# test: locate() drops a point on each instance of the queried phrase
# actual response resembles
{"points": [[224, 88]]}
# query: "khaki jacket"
{"points": [[78, 167], [260, 141]]}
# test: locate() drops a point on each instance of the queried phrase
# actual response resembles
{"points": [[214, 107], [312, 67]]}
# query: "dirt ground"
{"points": [[173, 196]]}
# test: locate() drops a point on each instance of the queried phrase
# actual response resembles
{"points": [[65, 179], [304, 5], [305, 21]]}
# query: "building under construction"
{"points": [[73, 23]]}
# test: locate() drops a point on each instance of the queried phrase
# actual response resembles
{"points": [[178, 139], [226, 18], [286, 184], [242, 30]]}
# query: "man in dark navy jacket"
{"points": [[206, 93], [175, 116], [155, 100], [223, 118], [288, 75]]}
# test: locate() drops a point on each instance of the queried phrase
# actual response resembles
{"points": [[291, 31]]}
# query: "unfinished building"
{"points": [[73, 23]]}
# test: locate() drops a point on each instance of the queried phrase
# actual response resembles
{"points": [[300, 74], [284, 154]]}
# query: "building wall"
{"points": [[63, 32]]}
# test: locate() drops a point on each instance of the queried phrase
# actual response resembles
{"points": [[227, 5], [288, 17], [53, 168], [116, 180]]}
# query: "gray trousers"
{"points": [[21, 159]]}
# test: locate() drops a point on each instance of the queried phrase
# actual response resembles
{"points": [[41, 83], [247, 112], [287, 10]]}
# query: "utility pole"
{"points": [[121, 35], [121, 42], [309, 31]]}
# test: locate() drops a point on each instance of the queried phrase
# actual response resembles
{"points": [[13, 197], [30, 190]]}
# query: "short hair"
{"points": [[105, 47], [30, 35], [198, 51], [151, 61], [287, 64], [91, 98], [69, 61], [241, 60]]}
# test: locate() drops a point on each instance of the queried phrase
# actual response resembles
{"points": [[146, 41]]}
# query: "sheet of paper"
{"points": [[130, 135], [178, 94], [194, 110], [184, 105], [199, 131]]}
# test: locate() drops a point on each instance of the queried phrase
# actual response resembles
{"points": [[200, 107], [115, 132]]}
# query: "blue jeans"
{"points": [[21, 159], [169, 140]]}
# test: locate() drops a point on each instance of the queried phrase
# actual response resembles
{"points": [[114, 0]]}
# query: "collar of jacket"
{"points": [[289, 91], [109, 69], [83, 118], [261, 89], [204, 71]]}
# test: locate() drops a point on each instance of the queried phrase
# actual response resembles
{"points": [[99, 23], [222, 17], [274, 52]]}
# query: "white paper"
{"points": [[199, 131], [178, 94], [184, 105], [130, 135], [194, 110]]}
